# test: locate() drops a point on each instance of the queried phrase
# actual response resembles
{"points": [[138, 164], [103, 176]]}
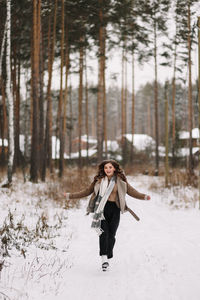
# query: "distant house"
{"points": [[185, 135], [112, 146], [141, 142], [184, 140], [75, 143]]}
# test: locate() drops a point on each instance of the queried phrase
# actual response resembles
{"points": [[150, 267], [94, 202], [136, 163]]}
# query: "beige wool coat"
{"points": [[123, 188]]}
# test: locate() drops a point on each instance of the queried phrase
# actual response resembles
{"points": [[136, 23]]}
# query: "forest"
{"points": [[83, 81], [54, 82]]}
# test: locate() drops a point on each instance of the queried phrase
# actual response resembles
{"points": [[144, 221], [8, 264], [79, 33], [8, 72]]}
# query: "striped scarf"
{"points": [[104, 193]]}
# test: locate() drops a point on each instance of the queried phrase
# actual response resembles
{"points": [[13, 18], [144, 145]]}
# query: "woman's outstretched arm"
{"points": [[135, 194], [84, 193]]}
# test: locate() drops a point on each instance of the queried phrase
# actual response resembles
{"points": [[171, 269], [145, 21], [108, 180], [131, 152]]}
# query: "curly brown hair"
{"points": [[118, 170]]}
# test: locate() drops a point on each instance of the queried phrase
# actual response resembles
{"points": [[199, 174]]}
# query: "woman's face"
{"points": [[109, 169]]}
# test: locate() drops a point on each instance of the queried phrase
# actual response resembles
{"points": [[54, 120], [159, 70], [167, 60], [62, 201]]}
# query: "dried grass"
{"points": [[179, 177], [73, 180]]}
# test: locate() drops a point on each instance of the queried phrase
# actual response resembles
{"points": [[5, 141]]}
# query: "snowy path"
{"points": [[156, 258]]}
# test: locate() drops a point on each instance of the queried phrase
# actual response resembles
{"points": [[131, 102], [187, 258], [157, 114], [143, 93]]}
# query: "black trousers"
{"points": [[109, 226]]}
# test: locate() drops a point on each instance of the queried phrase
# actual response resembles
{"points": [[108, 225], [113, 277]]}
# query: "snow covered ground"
{"points": [[156, 258]]}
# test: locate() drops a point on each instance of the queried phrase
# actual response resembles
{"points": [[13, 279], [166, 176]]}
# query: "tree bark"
{"points": [[9, 97], [122, 104], [2, 88], [156, 98], [67, 59], [41, 102], [16, 97], [80, 100], [100, 89], [71, 120], [47, 161], [191, 166], [133, 106], [174, 97], [166, 137], [35, 93], [4, 121], [3, 45], [104, 93], [61, 98], [86, 107], [199, 103]]}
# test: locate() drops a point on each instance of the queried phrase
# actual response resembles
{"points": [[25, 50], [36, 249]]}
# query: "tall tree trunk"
{"points": [[126, 154], [9, 96], [133, 106], [41, 103], [67, 59], [47, 161], [125, 90], [173, 117], [156, 98], [94, 129], [35, 92], [122, 104], [174, 97], [80, 100], [26, 120], [199, 101], [71, 120], [18, 114], [190, 92], [104, 94], [166, 136], [86, 108], [16, 95], [61, 106], [100, 88], [3, 45], [4, 126], [2, 89], [149, 120]]}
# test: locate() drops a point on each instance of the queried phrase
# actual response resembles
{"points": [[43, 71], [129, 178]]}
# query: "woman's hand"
{"points": [[147, 197]]}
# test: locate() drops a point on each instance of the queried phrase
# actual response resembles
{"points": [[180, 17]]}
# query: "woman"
{"points": [[108, 190]]}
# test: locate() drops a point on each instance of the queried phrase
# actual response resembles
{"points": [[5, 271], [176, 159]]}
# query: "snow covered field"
{"points": [[156, 258]]}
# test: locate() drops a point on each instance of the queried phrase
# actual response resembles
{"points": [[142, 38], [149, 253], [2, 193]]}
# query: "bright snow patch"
{"points": [[141, 141], [156, 258], [185, 134]]}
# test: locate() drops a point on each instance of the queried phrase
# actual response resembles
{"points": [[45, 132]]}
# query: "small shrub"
{"points": [[15, 234]]}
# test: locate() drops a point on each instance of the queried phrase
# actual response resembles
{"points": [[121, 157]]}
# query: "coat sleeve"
{"points": [[84, 193], [134, 193]]}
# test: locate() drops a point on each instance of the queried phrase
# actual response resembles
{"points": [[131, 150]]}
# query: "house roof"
{"points": [[140, 141], [184, 135]]}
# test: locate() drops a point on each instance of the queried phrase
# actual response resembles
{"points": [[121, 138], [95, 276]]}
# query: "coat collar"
{"points": [[121, 185]]}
